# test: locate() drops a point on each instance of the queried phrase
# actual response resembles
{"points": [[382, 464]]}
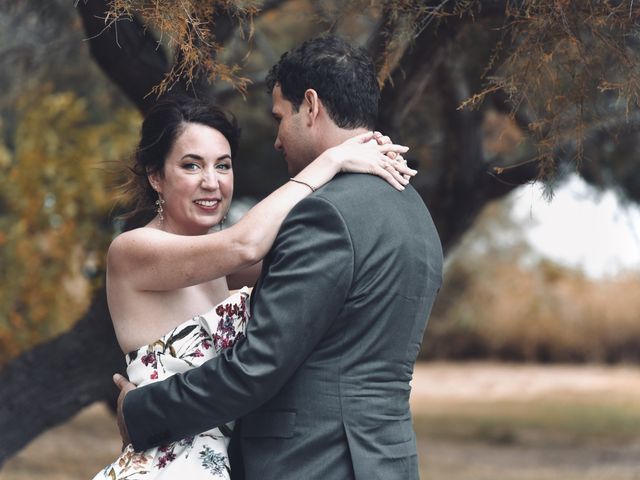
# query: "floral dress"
{"points": [[203, 456]]}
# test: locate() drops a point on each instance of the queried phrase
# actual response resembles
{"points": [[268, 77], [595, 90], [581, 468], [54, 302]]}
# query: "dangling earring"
{"points": [[222, 222], [159, 209]]}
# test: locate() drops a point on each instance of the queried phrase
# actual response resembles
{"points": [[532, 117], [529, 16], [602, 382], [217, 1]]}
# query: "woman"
{"points": [[166, 282]]}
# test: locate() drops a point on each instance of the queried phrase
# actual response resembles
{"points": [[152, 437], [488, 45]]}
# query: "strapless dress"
{"points": [[202, 456]]}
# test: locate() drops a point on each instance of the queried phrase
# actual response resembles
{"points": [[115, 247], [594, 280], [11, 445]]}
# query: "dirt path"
{"points": [[490, 382], [493, 395], [78, 449]]}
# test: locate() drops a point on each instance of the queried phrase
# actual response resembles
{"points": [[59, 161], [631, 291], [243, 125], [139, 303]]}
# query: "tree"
{"points": [[560, 72]]}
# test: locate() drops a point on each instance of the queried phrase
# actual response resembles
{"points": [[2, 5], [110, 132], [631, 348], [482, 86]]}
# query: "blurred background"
{"points": [[522, 117]]}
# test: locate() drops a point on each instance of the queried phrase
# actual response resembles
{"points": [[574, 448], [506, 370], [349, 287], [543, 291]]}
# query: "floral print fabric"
{"points": [[203, 456]]}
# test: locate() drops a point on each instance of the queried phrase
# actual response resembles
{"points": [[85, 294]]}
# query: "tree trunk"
{"points": [[52, 382]]}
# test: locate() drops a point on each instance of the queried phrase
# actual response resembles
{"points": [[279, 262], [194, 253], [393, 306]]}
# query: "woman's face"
{"points": [[196, 181]]}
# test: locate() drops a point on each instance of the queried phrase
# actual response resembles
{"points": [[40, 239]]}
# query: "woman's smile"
{"points": [[207, 204], [197, 181]]}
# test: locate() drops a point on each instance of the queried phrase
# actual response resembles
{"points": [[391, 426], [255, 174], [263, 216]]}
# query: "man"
{"points": [[321, 381]]}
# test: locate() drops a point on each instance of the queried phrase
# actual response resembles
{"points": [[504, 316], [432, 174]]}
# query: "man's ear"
{"points": [[312, 106]]}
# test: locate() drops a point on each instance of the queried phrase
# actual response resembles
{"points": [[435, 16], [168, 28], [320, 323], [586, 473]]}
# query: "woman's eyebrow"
{"points": [[198, 157]]}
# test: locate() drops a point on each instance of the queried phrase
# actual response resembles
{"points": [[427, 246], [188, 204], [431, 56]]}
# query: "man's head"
{"points": [[322, 86]]}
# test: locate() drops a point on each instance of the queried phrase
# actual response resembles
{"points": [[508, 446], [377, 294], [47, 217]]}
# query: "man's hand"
{"points": [[125, 387]]}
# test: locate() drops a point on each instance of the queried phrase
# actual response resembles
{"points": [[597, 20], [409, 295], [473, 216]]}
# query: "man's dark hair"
{"points": [[343, 76]]}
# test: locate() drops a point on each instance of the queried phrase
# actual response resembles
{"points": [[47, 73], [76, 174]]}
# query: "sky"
{"points": [[581, 227]]}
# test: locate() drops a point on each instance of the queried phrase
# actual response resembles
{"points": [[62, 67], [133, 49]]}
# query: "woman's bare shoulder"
{"points": [[131, 244]]}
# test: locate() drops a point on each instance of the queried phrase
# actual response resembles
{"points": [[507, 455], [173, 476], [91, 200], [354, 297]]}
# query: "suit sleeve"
{"points": [[309, 273]]}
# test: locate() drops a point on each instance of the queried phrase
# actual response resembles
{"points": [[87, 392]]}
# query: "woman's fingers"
{"points": [[362, 138], [398, 176], [364, 154], [398, 165], [409, 171], [393, 152], [396, 169], [386, 175], [393, 167], [392, 147], [404, 169], [380, 138], [365, 137]]}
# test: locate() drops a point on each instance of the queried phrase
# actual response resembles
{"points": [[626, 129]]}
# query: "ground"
{"points": [[475, 421]]}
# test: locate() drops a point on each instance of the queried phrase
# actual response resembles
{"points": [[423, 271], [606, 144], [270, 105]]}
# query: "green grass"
{"points": [[562, 421]]}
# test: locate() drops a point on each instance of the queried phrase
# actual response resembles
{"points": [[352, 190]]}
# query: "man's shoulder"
{"points": [[368, 200], [343, 180], [356, 188], [354, 184]]}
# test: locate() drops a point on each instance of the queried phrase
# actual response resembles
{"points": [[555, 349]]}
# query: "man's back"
{"points": [[344, 413]]}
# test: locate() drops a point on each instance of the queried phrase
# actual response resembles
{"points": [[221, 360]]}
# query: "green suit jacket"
{"points": [[321, 382]]}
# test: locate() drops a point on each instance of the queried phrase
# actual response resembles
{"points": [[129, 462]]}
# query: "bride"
{"points": [[168, 282]]}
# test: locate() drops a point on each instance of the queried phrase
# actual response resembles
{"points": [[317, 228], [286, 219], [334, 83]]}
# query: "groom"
{"points": [[321, 381]]}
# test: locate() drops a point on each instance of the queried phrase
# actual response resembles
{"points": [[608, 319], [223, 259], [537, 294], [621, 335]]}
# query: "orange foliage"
{"points": [[185, 27], [499, 309], [54, 200]]}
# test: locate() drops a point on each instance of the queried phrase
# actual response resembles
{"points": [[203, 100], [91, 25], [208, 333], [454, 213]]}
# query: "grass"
{"points": [[560, 421]]}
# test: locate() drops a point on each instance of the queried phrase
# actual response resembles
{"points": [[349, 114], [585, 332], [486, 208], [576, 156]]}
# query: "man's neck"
{"points": [[335, 136]]}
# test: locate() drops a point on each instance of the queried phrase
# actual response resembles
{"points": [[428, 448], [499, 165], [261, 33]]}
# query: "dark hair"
{"points": [[162, 125], [343, 76]]}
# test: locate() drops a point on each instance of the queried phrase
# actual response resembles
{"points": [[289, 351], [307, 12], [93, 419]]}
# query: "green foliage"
{"points": [[54, 207]]}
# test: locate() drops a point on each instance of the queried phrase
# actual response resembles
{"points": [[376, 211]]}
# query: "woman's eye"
{"points": [[191, 166], [223, 166]]}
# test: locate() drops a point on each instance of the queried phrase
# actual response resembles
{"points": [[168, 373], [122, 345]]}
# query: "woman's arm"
{"points": [[150, 259]]}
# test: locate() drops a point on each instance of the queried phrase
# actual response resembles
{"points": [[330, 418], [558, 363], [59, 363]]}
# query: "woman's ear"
{"points": [[154, 180], [311, 105]]}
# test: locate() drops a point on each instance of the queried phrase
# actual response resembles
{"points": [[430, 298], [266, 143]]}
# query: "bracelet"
{"points": [[302, 183]]}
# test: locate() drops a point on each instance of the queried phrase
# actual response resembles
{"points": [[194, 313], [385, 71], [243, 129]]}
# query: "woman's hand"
{"points": [[383, 139], [373, 153]]}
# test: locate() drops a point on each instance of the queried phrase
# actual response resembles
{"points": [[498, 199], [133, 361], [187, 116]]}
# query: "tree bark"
{"points": [[52, 382], [125, 51]]}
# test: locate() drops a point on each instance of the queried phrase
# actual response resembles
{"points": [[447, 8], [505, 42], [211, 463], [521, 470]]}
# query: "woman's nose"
{"points": [[210, 180]]}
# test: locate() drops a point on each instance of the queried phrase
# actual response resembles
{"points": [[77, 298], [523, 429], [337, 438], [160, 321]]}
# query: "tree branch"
{"points": [[412, 75], [126, 51]]}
